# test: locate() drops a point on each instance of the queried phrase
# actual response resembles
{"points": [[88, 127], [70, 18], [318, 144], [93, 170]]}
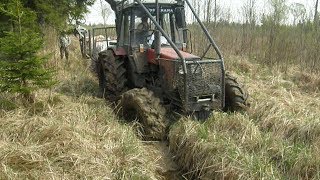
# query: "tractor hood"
{"points": [[168, 54]]}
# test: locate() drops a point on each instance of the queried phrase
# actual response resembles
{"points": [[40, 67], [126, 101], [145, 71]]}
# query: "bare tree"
{"points": [[198, 8], [216, 12], [298, 11], [248, 28], [105, 11], [209, 3], [249, 12], [275, 19], [279, 11], [316, 12], [194, 5]]}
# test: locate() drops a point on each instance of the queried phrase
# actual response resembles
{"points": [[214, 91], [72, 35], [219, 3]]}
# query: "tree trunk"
{"points": [[215, 13], [103, 13], [316, 13], [209, 11]]}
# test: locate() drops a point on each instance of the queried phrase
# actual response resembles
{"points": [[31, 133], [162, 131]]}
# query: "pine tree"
{"points": [[21, 68], [58, 13]]}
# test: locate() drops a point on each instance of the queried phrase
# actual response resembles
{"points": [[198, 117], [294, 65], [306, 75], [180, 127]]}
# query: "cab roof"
{"points": [[150, 1], [130, 3]]}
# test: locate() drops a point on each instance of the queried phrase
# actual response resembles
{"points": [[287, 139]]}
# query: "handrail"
{"points": [[111, 27], [206, 51], [213, 43]]}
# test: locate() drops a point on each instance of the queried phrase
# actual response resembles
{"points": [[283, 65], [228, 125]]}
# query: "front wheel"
{"points": [[142, 105], [235, 95], [202, 115]]}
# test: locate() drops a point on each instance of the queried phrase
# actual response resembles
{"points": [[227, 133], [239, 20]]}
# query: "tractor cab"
{"points": [[154, 35], [138, 31]]}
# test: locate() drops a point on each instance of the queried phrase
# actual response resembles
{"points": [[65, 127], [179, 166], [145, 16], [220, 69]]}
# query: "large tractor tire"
{"points": [[202, 115], [112, 75], [235, 95], [142, 105]]}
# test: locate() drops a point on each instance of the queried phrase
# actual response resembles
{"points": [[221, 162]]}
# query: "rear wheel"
{"points": [[143, 106], [112, 75], [235, 95]]}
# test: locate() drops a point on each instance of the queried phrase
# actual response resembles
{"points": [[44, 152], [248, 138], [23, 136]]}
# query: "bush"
{"points": [[21, 69]]}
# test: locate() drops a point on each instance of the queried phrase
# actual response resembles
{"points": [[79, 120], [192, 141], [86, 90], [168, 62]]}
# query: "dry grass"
{"points": [[220, 152], [71, 140], [277, 139], [68, 133]]}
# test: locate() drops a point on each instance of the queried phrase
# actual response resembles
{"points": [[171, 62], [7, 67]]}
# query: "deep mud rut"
{"points": [[159, 150], [166, 167]]}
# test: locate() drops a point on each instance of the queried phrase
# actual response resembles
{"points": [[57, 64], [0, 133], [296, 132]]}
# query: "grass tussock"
{"points": [[208, 152], [278, 138], [71, 140], [221, 150]]}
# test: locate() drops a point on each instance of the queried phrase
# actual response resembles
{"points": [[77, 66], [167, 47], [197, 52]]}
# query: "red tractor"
{"points": [[150, 71]]}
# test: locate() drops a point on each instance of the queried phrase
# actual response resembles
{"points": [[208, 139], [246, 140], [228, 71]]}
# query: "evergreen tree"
{"points": [[57, 13], [21, 68]]}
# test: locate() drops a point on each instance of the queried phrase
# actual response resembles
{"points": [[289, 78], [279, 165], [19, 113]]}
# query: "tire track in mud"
{"points": [[166, 166], [153, 121]]}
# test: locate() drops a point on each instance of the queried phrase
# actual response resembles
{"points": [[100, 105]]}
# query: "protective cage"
{"points": [[204, 83]]}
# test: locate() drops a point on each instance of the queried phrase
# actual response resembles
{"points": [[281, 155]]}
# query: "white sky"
{"points": [[94, 17]]}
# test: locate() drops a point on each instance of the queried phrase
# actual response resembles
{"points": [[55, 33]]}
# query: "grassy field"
{"points": [[279, 138], [69, 133]]}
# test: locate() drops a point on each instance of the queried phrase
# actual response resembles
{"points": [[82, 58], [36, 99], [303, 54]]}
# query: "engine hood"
{"points": [[168, 54]]}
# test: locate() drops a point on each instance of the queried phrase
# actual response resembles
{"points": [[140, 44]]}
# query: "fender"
{"points": [[168, 54], [116, 51]]}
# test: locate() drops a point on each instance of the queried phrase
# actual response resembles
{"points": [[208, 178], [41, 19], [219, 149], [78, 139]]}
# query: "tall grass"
{"points": [[68, 133], [277, 139], [291, 45]]}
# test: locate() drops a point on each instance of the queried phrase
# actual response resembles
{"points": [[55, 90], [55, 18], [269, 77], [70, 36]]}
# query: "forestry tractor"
{"points": [[151, 71]]}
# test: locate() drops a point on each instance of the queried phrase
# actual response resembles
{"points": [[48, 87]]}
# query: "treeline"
{"points": [[23, 26], [49, 12], [285, 34]]}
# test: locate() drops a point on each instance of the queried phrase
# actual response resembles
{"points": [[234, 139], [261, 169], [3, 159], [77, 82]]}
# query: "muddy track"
{"points": [[166, 167]]}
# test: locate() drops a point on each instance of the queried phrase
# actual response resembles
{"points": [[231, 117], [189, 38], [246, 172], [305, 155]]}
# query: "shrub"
{"points": [[21, 69]]}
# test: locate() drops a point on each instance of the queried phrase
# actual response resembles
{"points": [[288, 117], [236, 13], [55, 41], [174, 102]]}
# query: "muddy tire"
{"points": [[143, 106], [202, 115], [235, 95], [112, 76], [94, 66]]}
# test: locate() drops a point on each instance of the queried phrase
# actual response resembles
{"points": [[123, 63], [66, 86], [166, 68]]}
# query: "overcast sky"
{"points": [[94, 17]]}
